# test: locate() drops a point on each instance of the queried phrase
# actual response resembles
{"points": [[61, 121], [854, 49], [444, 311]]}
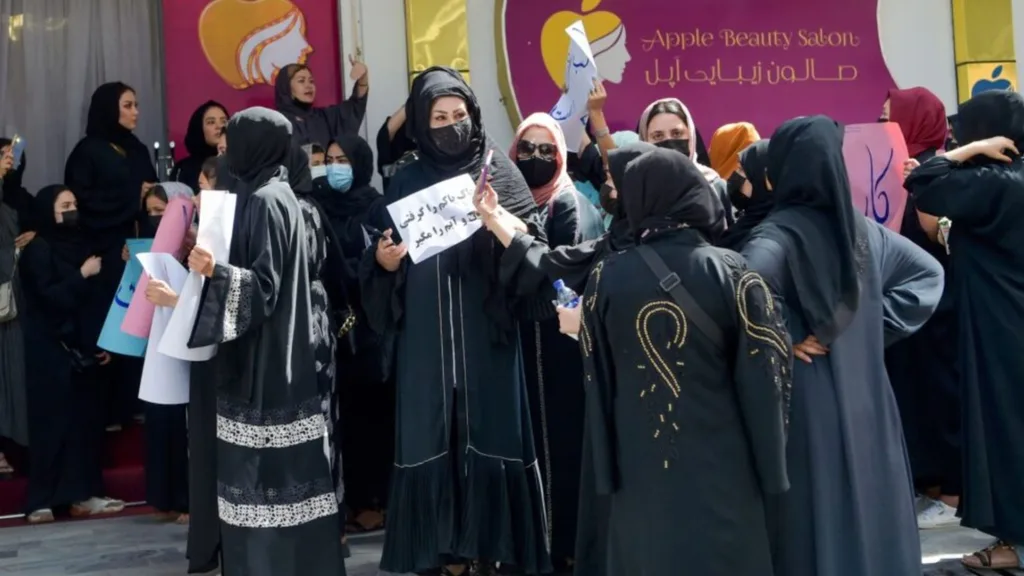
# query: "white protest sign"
{"points": [[216, 225], [164, 379], [580, 72], [436, 218]]}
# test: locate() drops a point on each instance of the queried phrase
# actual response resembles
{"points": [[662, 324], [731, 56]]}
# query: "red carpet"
{"points": [[123, 473]]}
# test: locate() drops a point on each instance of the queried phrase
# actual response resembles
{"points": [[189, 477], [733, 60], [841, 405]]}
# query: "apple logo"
{"points": [[993, 83], [605, 31]]}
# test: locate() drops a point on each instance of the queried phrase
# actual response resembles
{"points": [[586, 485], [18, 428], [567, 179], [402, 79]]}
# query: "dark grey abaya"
{"points": [[855, 286]]}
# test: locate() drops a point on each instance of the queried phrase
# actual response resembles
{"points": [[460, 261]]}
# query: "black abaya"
{"points": [[65, 422], [365, 396], [275, 495], [683, 426], [856, 287], [106, 171], [985, 202], [465, 483]]}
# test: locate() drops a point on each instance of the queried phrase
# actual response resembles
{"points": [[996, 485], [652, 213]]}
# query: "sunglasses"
{"points": [[525, 149]]}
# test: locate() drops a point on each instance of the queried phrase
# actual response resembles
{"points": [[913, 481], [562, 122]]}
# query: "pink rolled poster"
{"points": [[169, 237], [874, 155]]}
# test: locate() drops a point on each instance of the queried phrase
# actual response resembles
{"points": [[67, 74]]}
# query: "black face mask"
{"points": [[453, 139], [70, 219], [153, 221], [680, 145], [537, 171], [608, 204], [733, 185]]}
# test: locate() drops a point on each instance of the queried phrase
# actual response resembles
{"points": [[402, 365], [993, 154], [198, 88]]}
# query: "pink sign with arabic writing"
{"points": [[874, 155], [761, 61], [176, 221]]}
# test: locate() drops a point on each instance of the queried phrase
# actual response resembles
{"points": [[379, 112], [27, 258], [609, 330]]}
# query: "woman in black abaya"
{"points": [[204, 128], [276, 498], [923, 368], [109, 171], [464, 455], [749, 195], [65, 419], [839, 280], [687, 432], [980, 187], [328, 274], [295, 92], [366, 401]]}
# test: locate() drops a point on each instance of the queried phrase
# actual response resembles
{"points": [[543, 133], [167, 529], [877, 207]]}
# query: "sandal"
{"points": [[182, 520], [96, 507], [365, 521], [999, 556], [41, 516], [5, 467]]}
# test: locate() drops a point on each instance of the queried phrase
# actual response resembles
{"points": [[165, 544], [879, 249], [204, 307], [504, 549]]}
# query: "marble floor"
{"points": [[140, 546]]}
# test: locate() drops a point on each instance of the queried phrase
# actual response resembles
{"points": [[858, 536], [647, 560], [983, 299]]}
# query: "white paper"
{"points": [[216, 223], [580, 72], [436, 218], [165, 380]]}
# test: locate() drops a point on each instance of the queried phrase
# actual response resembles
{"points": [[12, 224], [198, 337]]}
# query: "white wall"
{"points": [[916, 38], [379, 26]]}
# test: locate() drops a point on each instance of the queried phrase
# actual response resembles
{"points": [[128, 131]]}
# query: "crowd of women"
{"points": [[759, 380]]}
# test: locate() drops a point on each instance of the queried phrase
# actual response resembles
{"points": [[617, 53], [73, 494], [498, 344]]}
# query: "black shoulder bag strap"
{"points": [[670, 283]]}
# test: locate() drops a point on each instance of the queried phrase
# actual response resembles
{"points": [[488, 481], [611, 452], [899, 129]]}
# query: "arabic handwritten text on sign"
{"points": [[580, 71], [874, 155], [436, 218]]}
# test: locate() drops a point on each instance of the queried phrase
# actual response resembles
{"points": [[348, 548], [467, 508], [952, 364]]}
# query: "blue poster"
{"points": [[112, 339]]}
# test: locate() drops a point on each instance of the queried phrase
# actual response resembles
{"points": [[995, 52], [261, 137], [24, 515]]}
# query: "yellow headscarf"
{"points": [[726, 145]]}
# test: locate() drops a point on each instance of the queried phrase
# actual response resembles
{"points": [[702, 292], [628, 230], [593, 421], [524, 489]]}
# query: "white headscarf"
{"points": [[645, 118]]}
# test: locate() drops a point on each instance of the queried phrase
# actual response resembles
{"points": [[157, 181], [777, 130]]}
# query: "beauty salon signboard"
{"points": [[762, 61], [231, 50]]}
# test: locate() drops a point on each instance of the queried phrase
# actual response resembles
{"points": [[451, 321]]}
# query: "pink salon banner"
{"points": [[761, 61], [169, 237], [874, 155], [231, 50]]}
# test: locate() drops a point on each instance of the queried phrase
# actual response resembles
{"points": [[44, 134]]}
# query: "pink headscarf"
{"points": [[645, 119], [545, 193]]}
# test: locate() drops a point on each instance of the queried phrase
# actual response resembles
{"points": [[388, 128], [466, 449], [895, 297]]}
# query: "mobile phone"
{"points": [[484, 173], [17, 150]]}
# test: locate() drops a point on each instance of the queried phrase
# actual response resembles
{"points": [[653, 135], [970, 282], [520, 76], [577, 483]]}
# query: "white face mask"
{"points": [[318, 171]]}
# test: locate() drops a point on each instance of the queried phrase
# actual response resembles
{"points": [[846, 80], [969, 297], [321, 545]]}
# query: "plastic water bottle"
{"points": [[565, 296]]}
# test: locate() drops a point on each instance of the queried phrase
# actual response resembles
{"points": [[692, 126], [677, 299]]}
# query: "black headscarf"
{"points": [[991, 114], [620, 236], [195, 138], [66, 243], [357, 199], [514, 195], [259, 143], [300, 177], [814, 218], [105, 113], [665, 189], [754, 161]]}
